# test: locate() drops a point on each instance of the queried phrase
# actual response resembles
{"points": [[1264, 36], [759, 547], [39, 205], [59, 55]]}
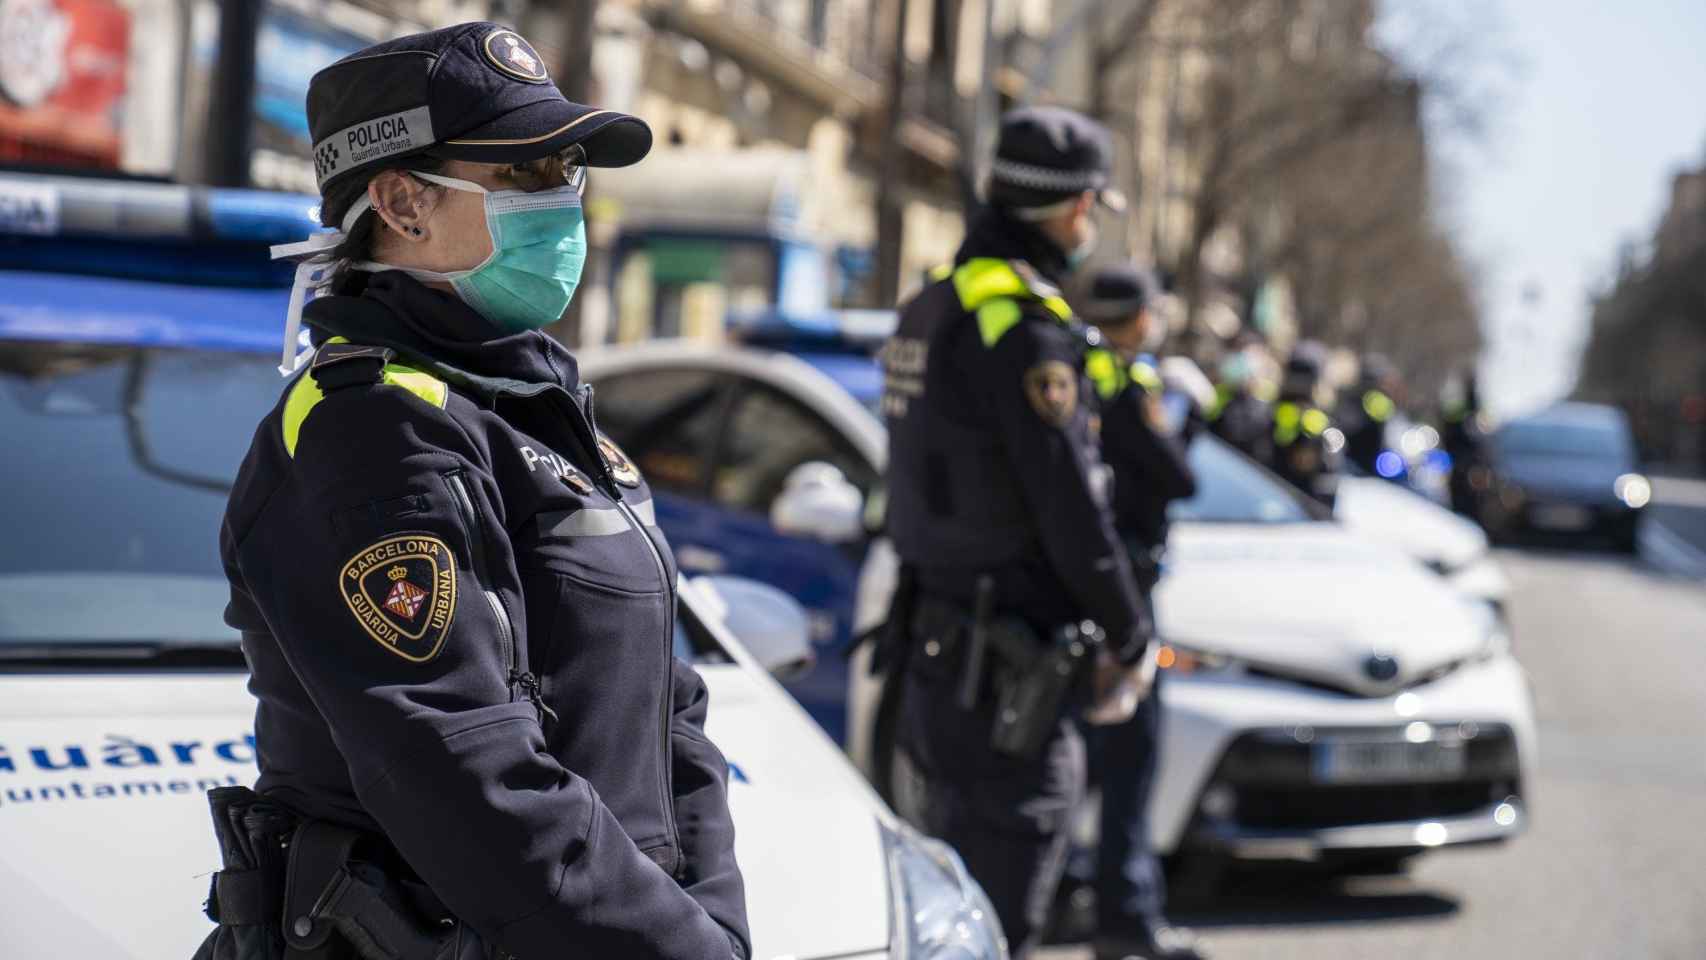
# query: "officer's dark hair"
{"points": [[337, 200]]}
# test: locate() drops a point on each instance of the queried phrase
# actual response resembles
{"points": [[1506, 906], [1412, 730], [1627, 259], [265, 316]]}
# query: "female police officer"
{"points": [[455, 604]]}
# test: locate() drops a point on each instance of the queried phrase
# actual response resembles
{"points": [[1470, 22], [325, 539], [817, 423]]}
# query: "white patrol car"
{"points": [[138, 333], [1328, 697]]}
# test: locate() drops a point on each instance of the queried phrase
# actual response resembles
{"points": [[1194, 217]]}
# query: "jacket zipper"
{"points": [[583, 420], [526, 681]]}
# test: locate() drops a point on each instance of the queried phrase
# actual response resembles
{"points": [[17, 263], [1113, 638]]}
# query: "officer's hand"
{"points": [[1120, 689], [1155, 413]]}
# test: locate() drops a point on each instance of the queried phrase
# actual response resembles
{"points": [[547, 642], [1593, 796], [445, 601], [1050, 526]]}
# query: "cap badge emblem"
{"points": [[513, 56]]}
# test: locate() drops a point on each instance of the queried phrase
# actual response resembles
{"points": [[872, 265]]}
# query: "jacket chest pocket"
{"points": [[598, 541], [601, 610]]}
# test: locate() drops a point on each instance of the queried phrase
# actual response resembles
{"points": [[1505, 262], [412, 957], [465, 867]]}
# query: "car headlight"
{"points": [[938, 912], [1634, 490]]}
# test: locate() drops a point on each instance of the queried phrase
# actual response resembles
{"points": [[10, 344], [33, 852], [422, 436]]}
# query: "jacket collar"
{"points": [[992, 233], [433, 329]]}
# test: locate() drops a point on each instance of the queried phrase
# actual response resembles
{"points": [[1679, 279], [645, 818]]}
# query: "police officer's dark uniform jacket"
{"points": [[994, 473], [993, 467], [458, 611], [1150, 465], [1308, 450]]}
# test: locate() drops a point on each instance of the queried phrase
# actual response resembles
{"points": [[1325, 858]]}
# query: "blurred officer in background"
{"points": [[1307, 448], [1241, 415], [1146, 450], [1014, 586], [1463, 434], [456, 608], [1367, 410]]}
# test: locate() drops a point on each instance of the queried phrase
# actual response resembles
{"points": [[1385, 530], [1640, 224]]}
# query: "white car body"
{"points": [[110, 857], [1298, 609], [1452, 546]]}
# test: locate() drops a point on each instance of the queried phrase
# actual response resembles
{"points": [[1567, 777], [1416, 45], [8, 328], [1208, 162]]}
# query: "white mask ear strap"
{"points": [[313, 273], [466, 186]]}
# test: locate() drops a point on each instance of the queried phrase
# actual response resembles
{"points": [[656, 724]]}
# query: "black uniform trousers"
{"points": [[1007, 817], [1131, 889]]}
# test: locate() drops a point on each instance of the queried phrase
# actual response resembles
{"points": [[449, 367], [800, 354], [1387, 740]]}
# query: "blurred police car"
{"points": [[138, 330], [1349, 704]]}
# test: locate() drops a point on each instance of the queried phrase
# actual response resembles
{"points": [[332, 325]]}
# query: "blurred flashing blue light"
{"points": [[1389, 465], [259, 216], [1440, 461]]}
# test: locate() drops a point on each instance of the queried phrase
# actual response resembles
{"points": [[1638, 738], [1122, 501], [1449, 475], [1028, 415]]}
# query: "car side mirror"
{"points": [[818, 502], [771, 625]]}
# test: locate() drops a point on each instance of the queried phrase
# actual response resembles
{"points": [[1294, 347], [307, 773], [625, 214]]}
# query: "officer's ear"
{"points": [[403, 202]]}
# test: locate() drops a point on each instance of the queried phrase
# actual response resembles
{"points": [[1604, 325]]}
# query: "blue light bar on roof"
{"points": [[47, 206]]}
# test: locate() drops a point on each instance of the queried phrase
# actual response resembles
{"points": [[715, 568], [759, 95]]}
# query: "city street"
{"points": [[1615, 862]]}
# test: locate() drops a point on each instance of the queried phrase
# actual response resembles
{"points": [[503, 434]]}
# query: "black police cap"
{"points": [[1117, 292], [1308, 359], [1048, 154], [475, 91]]}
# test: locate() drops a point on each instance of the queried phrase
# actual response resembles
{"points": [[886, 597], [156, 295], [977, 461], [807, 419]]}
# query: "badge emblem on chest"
{"points": [[402, 591], [1052, 388], [620, 466]]}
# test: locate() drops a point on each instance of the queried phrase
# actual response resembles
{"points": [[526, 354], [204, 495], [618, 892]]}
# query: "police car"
{"points": [[1350, 705], [138, 332]]}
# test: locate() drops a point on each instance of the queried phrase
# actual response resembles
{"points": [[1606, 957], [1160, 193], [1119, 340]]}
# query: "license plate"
{"points": [[1561, 516], [1388, 762]]}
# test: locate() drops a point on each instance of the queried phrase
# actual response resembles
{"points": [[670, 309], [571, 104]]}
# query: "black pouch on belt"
{"points": [[243, 898], [295, 889], [1040, 683]]}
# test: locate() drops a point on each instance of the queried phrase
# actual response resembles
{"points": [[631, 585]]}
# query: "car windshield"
{"points": [[1233, 489], [1601, 441], [118, 465]]}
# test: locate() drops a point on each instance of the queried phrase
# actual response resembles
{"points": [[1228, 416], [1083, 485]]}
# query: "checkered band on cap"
{"points": [[1033, 177]]}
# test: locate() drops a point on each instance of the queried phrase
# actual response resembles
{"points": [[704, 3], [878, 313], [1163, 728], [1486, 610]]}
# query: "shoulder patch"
{"points": [[402, 591], [621, 468], [1052, 388]]}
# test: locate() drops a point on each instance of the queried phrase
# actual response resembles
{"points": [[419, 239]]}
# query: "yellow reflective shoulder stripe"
{"points": [[418, 382], [997, 317], [306, 393], [1378, 406], [1059, 307], [1315, 422], [303, 395], [1105, 373], [1286, 421], [1222, 397], [940, 272], [1145, 376], [983, 279]]}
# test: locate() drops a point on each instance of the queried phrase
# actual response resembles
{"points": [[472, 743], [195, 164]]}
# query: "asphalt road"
{"points": [[1614, 864]]}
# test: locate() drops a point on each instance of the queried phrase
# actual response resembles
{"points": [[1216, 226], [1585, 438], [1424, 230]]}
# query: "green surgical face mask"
{"points": [[538, 250]]}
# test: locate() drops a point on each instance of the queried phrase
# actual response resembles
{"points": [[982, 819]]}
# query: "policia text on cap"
{"points": [[1013, 582], [473, 738]]}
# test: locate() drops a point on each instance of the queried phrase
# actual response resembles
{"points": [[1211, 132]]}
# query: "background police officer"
{"points": [[1147, 455], [1242, 414], [995, 495], [456, 607], [1307, 448], [1464, 426], [1367, 410]]}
